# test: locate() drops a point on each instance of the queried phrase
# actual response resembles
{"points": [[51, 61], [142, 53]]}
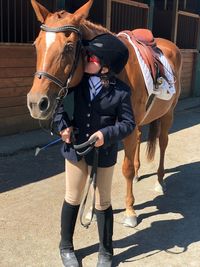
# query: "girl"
{"points": [[102, 109]]}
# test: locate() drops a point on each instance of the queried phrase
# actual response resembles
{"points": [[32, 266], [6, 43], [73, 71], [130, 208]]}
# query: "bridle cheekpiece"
{"points": [[64, 86]]}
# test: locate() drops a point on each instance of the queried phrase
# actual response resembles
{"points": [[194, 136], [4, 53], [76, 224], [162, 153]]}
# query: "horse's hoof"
{"points": [[136, 179], [130, 221], [160, 187], [88, 216]]}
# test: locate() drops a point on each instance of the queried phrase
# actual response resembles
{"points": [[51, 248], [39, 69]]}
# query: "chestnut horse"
{"points": [[60, 64]]}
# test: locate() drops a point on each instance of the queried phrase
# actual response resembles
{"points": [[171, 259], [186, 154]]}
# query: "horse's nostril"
{"points": [[44, 103]]}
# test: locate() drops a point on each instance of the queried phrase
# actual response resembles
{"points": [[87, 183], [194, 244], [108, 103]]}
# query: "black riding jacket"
{"points": [[110, 112]]}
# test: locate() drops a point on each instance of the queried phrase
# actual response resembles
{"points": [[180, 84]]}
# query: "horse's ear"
{"points": [[40, 11], [83, 12]]}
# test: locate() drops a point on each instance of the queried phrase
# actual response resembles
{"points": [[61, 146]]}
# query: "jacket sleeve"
{"points": [[61, 120], [125, 123]]}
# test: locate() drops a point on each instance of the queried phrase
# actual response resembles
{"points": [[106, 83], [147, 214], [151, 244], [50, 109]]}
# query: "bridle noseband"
{"points": [[63, 85]]}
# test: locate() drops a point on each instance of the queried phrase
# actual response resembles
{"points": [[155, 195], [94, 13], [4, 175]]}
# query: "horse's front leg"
{"points": [[137, 154], [129, 173]]}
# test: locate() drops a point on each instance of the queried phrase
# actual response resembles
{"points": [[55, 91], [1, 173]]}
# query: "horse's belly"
{"points": [[156, 110]]}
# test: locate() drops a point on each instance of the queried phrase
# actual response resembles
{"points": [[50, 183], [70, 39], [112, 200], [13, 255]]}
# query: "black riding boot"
{"points": [[105, 229], [68, 221]]}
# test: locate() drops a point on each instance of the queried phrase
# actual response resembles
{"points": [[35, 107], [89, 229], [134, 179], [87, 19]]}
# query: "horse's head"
{"points": [[58, 60]]}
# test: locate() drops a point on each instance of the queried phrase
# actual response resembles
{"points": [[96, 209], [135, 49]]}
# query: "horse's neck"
{"points": [[90, 30]]}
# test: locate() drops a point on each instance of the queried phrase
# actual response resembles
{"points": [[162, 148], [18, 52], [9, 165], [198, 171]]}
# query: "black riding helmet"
{"points": [[110, 50]]}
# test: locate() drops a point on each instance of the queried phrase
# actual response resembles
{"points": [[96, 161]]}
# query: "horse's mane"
{"points": [[90, 29]]}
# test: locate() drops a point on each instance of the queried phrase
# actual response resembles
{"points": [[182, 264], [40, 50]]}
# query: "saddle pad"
{"points": [[166, 89]]}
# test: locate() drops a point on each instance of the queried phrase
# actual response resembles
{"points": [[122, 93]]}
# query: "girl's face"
{"points": [[92, 64]]}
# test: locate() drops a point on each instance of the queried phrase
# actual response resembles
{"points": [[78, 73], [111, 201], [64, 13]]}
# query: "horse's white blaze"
{"points": [[50, 38]]}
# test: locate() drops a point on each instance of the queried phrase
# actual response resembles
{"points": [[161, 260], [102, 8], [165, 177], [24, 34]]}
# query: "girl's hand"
{"points": [[100, 138], [66, 135]]}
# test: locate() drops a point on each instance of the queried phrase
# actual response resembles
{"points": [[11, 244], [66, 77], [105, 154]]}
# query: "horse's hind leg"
{"points": [[166, 122], [128, 172]]}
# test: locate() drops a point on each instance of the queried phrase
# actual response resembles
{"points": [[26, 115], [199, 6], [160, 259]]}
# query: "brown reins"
{"points": [[82, 150]]}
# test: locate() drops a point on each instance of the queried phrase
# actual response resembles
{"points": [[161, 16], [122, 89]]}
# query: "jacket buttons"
{"points": [[88, 115], [87, 135], [88, 125], [89, 105]]}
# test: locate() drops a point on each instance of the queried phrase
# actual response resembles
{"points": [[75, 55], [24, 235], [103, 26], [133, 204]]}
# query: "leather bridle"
{"points": [[63, 85]]}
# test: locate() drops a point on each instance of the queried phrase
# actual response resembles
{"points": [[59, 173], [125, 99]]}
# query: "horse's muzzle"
{"points": [[39, 106]]}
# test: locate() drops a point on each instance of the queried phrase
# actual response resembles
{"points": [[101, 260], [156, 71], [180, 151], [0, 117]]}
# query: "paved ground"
{"points": [[168, 233]]}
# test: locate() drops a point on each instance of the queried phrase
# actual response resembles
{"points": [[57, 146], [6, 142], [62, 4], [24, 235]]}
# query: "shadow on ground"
{"points": [[25, 168], [182, 197]]}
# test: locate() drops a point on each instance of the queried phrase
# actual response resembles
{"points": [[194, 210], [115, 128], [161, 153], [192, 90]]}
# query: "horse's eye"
{"points": [[69, 47]]}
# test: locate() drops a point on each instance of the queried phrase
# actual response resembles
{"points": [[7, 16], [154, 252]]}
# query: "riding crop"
{"points": [[38, 149]]}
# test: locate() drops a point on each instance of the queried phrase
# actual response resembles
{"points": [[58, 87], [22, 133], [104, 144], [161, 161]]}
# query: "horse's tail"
{"points": [[154, 130]]}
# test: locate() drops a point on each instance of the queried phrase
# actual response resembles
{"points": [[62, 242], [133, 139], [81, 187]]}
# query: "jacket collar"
{"points": [[103, 92]]}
